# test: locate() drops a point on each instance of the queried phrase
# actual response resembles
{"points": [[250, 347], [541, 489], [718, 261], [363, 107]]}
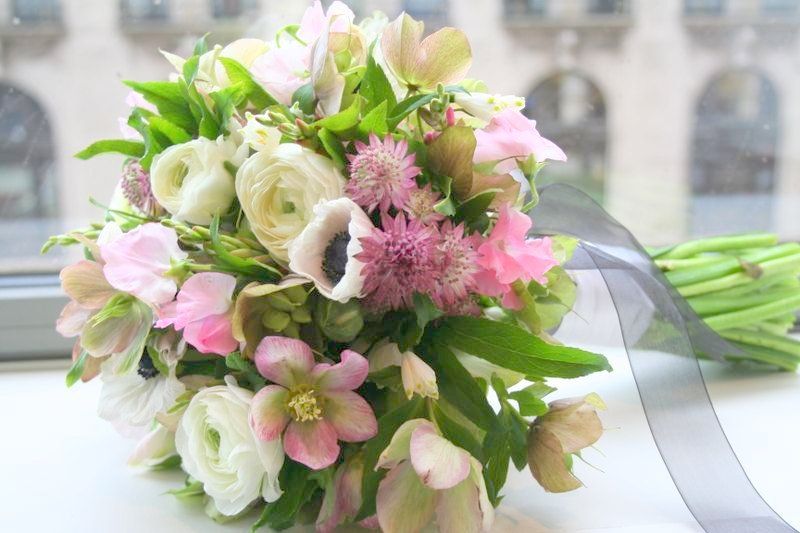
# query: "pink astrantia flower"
{"points": [[429, 474], [421, 205], [507, 256], [135, 262], [511, 136], [398, 261], [457, 266], [203, 311], [381, 173], [314, 403], [135, 186]]}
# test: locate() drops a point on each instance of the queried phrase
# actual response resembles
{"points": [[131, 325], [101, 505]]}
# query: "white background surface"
{"points": [[63, 469]]}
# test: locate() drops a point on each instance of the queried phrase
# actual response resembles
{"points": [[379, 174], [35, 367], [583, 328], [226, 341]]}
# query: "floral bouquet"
{"points": [[316, 270]]}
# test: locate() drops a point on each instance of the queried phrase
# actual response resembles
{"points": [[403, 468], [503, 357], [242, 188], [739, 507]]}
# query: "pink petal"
{"points": [[512, 225], [213, 334], [404, 504], [348, 374], [168, 315], [398, 448], [136, 261], [342, 500], [438, 462], [268, 416], [205, 294], [350, 415], [311, 443], [283, 360]]}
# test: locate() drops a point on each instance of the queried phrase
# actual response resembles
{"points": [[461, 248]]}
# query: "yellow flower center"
{"points": [[304, 406]]}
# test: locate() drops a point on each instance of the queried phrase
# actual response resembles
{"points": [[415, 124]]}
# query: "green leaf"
{"points": [[445, 206], [190, 69], [298, 488], [457, 434], [226, 102], [476, 206], [76, 370], [237, 362], [253, 91], [375, 86], [511, 347], [168, 98], [425, 310], [304, 97], [119, 146], [331, 143], [457, 386], [192, 489], [173, 132], [451, 155], [406, 107], [387, 425], [343, 120], [375, 122], [498, 456], [530, 400], [201, 46]]}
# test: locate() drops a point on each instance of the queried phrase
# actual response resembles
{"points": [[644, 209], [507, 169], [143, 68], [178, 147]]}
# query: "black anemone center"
{"points": [[335, 259], [146, 367]]}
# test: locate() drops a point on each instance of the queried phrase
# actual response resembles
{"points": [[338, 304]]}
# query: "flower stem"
{"points": [[720, 244], [744, 317]]}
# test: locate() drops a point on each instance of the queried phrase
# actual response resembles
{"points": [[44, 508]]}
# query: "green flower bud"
{"points": [[292, 330], [301, 315], [281, 302], [276, 320], [340, 322], [296, 294]]}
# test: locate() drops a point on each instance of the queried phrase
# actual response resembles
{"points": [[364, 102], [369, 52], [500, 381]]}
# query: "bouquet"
{"points": [[315, 271]]}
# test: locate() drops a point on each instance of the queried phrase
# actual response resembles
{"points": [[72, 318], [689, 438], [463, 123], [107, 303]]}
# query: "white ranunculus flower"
{"points": [[190, 180], [258, 136], [218, 448], [131, 401], [484, 106], [278, 189], [325, 250]]}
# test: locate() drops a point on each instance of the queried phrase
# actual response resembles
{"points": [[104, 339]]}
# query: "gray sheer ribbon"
{"points": [[662, 351]]}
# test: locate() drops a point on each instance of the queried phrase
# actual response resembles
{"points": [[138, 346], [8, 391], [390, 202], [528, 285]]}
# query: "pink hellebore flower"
{"points": [[315, 403], [511, 136], [429, 475], [203, 310], [507, 256], [135, 262]]}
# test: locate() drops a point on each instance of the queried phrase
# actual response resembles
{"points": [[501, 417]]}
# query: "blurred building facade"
{"points": [[681, 116]]}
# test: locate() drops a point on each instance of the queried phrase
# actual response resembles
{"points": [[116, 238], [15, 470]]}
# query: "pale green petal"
{"points": [[403, 503]]}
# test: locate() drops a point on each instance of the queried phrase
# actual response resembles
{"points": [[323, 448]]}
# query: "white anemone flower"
{"points": [[131, 400], [325, 250]]}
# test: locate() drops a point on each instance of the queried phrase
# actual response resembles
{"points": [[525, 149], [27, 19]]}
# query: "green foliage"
{"points": [[343, 120], [530, 400], [304, 98], [333, 146], [239, 265], [119, 146], [191, 489], [374, 122], [375, 87], [238, 363], [473, 208], [252, 91], [340, 322], [513, 348], [298, 488], [169, 99]]}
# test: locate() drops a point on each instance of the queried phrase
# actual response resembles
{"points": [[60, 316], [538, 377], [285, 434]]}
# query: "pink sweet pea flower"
{"points": [[510, 136], [314, 403], [284, 69], [203, 310], [135, 262], [429, 475], [133, 100], [507, 256]]}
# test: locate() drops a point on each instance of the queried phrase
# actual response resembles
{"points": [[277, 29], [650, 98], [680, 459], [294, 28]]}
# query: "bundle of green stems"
{"points": [[746, 288]]}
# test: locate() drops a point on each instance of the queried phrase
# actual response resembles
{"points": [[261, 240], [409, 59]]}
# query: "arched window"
{"points": [[733, 154], [27, 178], [570, 111]]}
